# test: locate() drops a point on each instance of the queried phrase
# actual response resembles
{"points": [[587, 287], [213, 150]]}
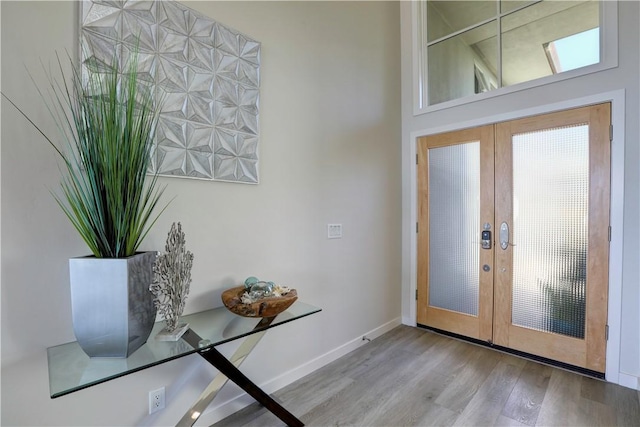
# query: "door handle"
{"points": [[504, 236]]}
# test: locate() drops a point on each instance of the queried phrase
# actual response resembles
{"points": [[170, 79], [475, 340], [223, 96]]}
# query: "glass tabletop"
{"points": [[70, 369]]}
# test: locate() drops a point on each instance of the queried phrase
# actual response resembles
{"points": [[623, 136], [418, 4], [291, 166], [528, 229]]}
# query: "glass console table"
{"points": [[70, 369]]}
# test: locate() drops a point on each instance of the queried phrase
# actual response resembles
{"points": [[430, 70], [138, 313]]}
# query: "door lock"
{"points": [[486, 239]]}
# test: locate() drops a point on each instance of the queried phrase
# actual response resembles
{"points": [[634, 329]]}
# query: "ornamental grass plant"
{"points": [[107, 122]]}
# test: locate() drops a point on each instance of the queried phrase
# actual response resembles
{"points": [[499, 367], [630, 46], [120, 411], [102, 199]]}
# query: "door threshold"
{"points": [[522, 354]]}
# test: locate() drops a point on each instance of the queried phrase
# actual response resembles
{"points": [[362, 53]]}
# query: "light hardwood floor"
{"points": [[413, 377]]}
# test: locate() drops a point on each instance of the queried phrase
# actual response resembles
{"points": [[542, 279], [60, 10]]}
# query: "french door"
{"points": [[513, 234]]}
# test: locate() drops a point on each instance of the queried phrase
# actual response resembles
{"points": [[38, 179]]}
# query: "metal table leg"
{"points": [[228, 370]]}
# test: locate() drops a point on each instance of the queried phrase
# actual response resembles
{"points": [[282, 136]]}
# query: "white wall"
{"points": [[623, 78], [330, 153]]}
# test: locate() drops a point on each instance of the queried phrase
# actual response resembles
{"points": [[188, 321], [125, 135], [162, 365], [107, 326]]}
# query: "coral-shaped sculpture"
{"points": [[172, 277]]}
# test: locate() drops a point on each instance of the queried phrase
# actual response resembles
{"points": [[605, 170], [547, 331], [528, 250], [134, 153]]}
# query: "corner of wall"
{"points": [[630, 381]]}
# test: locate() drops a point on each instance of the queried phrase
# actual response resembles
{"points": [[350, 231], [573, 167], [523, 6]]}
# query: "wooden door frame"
{"points": [[409, 269]]}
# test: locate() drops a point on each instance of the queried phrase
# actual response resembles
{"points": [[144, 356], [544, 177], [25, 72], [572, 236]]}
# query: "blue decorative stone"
{"points": [[250, 282]]}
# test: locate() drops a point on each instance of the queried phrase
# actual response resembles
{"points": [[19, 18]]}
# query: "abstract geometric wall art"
{"points": [[206, 74]]}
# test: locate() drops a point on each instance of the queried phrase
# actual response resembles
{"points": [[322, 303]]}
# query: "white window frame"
{"points": [[608, 59]]}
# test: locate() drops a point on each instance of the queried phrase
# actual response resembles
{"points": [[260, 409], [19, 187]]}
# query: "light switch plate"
{"points": [[334, 231]]}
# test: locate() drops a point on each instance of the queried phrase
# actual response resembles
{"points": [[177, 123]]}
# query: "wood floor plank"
{"points": [[375, 388], [462, 389], [564, 404], [436, 415], [592, 413], [413, 408], [313, 391], [486, 405], [262, 418], [366, 394], [413, 377], [561, 401], [249, 416], [402, 340], [414, 399], [526, 398], [504, 421], [513, 360], [420, 383], [623, 401]]}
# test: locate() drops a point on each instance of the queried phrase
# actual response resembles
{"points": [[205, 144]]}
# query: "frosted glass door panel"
{"points": [[550, 230], [454, 227]]}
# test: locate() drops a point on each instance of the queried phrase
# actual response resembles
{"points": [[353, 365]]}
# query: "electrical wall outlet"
{"points": [[156, 400]]}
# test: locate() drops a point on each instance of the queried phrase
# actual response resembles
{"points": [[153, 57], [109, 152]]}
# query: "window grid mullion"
{"points": [[499, 41], [497, 17], [464, 30]]}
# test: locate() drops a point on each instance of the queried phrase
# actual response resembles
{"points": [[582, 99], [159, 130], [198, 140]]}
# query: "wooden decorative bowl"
{"points": [[266, 307]]}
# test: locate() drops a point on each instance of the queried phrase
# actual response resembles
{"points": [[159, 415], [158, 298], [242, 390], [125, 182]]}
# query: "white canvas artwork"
{"points": [[206, 75]]}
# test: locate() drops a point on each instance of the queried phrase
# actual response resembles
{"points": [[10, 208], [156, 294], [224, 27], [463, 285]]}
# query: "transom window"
{"points": [[465, 48]]}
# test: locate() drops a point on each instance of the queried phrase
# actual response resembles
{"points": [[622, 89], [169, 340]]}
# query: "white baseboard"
{"points": [[224, 409], [629, 381]]}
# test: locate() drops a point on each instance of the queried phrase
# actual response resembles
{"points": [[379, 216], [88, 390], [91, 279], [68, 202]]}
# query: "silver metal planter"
{"points": [[112, 307]]}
